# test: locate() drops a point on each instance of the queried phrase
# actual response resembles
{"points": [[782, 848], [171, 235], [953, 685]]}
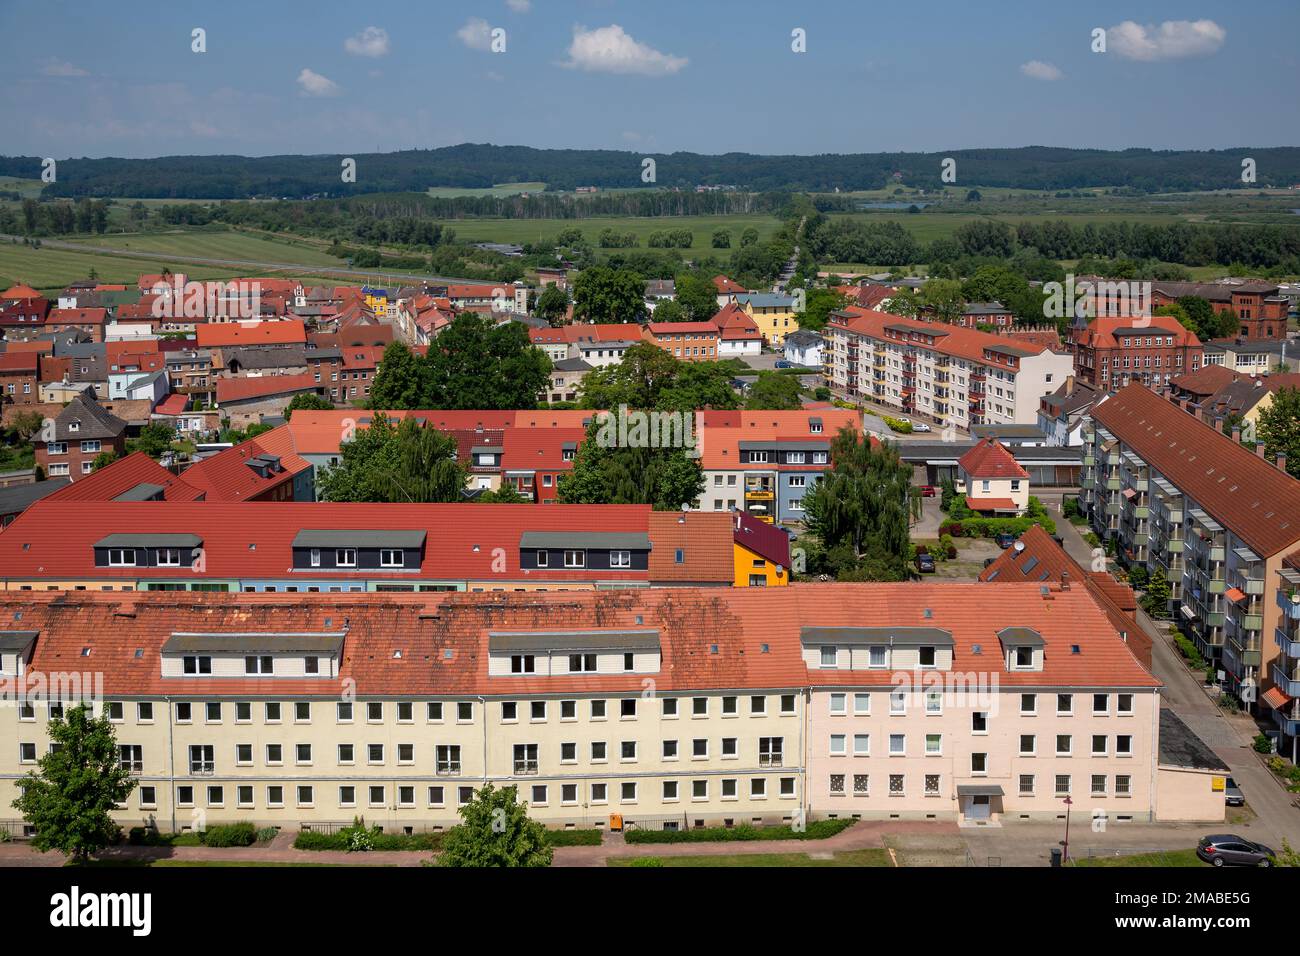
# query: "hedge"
{"points": [[224, 835], [230, 834], [817, 830], [313, 840], [988, 527], [589, 837]]}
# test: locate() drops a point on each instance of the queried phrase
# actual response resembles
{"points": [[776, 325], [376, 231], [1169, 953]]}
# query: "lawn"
{"points": [[530, 230], [27, 188], [873, 858], [49, 269], [223, 244], [1166, 858]]}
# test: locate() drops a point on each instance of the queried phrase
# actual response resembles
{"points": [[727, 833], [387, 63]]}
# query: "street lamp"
{"points": [[1065, 844]]}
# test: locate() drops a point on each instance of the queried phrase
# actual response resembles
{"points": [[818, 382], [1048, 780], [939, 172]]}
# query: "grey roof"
{"points": [[897, 636], [1008, 431], [353, 538], [327, 642], [289, 357], [616, 540], [1020, 637], [141, 492], [984, 308], [805, 338], [16, 640], [939, 453], [79, 349], [571, 365], [766, 300], [1179, 747], [979, 790], [16, 498], [312, 355], [145, 540], [95, 421], [822, 444], [572, 640]]}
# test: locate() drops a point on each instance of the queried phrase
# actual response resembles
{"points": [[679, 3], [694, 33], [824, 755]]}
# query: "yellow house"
{"points": [[761, 553], [774, 315], [376, 300]]}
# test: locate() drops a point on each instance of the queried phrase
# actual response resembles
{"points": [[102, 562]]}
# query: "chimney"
{"points": [[1281, 460], [1065, 580], [1236, 434], [1259, 449]]}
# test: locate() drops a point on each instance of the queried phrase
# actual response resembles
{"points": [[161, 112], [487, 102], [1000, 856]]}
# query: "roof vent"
{"points": [[713, 648], [448, 654], [1074, 648], [976, 649], [397, 654], [928, 614]]}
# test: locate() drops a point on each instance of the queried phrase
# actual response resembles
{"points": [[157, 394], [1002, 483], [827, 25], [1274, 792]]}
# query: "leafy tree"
{"points": [[1156, 599], [496, 831], [26, 424], [774, 390], [602, 294], [1200, 316], [402, 380], [406, 462], [553, 303], [155, 439], [69, 799], [504, 495], [818, 305], [862, 505], [973, 196], [698, 385], [103, 460], [749, 236], [650, 378], [620, 475], [721, 239], [309, 401], [1278, 427], [944, 297], [670, 310], [697, 297]]}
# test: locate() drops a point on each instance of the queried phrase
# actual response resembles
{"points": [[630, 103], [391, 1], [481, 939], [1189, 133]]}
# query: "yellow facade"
{"points": [[774, 323], [750, 566]]}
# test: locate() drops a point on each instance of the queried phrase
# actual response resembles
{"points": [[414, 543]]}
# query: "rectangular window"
{"points": [[345, 557], [620, 559], [575, 559], [390, 558]]}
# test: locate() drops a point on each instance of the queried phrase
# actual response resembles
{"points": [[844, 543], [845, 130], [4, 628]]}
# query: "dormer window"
{"points": [[829, 656], [1024, 657], [74, 426], [543, 558], [345, 557], [523, 664], [315, 557], [390, 558], [193, 664], [620, 559], [121, 557], [168, 557], [926, 656], [575, 558]]}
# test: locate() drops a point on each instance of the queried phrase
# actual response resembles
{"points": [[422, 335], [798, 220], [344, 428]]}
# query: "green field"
{"points": [[215, 245], [51, 269], [530, 230], [499, 191], [28, 188], [1168, 858], [875, 858]]}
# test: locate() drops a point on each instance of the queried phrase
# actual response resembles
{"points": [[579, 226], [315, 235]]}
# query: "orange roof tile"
{"points": [[988, 459]]}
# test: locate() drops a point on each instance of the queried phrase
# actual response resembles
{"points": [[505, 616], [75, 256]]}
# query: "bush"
{"points": [[230, 834], [988, 527], [817, 830], [1092, 539], [383, 842], [1263, 744], [1189, 651], [647, 861], [589, 837], [903, 428], [267, 834]]}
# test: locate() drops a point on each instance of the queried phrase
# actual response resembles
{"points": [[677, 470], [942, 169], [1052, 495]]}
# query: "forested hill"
{"points": [[478, 166]]}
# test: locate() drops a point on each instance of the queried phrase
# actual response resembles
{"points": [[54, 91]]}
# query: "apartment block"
{"points": [[1180, 497], [945, 373], [1112, 352], [670, 708]]}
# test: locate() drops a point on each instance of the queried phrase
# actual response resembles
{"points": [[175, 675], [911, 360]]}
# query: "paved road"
{"points": [[1230, 737]]}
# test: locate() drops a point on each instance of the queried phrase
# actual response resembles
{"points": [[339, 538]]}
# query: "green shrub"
{"points": [[817, 830], [382, 842], [588, 837], [1092, 539], [647, 861], [902, 427], [230, 834], [267, 834], [1263, 744]]}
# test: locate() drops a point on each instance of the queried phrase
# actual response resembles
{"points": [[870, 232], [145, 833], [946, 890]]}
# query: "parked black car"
{"points": [[925, 563], [1005, 540], [1226, 849]]}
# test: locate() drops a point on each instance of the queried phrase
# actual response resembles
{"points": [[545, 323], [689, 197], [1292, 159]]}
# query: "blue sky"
{"points": [[120, 79]]}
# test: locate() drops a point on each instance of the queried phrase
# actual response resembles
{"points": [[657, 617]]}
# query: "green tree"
{"points": [[602, 294], [155, 439], [309, 401], [1278, 427], [697, 297], [818, 305], [620, 475], [721, 239], [649, 378], [552, 304], [1200, 316], [79, 781], [944, 297], [407, 462], [772, 390], [103, 460], [862, 507], [749, 237], [402, 381], [505, 495], [496, 831], [670, 310], [1156, 599]]}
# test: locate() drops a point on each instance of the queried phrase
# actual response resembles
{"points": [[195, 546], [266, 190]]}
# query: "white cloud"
{"points": [[520, 6], [476, 34], [313, 84], [610, 50], [372, 41], [1038, 70], [55, 67], [1170, 40]]}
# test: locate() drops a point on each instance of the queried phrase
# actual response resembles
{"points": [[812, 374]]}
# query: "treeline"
{"points": [[34, 218], [481, 166], [1190, 244]]}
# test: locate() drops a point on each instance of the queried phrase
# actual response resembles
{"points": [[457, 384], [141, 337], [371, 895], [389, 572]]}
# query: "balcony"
{"points": [[1289, 607], [1290, 645], [1284, 683], [1287, 725]]}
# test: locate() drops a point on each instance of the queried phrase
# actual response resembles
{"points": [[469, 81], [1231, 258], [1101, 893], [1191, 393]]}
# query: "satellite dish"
{"points": [[1020, 546], [780, 570], [686, 506]]}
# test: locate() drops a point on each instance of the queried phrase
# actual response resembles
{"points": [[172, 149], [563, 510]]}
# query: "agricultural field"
{"points": [[27, 188], [225, 244], [499, 191], [530, 230], [49, 269]]}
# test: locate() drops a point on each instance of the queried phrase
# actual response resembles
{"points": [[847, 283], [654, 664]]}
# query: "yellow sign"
{"points": [[1218, 784]]}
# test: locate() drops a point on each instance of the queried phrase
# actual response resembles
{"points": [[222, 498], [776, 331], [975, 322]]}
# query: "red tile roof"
{"points": [[710, 638], [1043, 561], [1101, 332], [970, 344], [1204, 381], [227, 476], [1257, 501], [262, 386], [77, 317], [702, 538], [19, 291], [121, 476], [541, 449], [990, 504], [727, 286], [682, 328], [281, 332], [734, 324], [173, 404], [988, 459], [19, 362]]}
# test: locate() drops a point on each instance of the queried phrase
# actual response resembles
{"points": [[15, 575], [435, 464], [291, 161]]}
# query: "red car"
{"points": [[928, 491]]}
